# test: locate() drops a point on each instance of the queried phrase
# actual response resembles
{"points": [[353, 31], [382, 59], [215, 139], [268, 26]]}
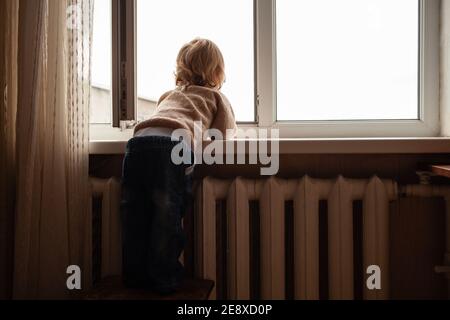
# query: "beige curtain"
{"points": [[48, 143]]}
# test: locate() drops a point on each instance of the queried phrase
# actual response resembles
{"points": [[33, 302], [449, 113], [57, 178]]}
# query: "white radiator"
{"points": [[271, 194], [305, 194], [109, 191]]}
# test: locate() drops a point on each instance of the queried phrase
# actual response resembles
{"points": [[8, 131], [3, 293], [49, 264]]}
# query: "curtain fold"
{"points": [[52, 212], [79, 48], [8, 101]]}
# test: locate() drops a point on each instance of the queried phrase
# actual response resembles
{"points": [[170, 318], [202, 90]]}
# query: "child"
{"points": [[155, 190]]}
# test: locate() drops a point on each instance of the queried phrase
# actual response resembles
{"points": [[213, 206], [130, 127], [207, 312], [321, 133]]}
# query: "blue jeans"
{"points": [[155, 193]]}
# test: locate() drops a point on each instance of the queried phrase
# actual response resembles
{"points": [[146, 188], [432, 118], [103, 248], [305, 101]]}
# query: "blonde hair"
{"points": [[200, 63]]}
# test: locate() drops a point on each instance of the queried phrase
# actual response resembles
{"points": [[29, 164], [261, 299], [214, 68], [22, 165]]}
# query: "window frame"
{"points": [[125, 77], [123, 62], [429, 81]]}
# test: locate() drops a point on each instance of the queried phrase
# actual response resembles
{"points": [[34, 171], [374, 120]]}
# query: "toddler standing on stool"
{"points": [[155, 190]]}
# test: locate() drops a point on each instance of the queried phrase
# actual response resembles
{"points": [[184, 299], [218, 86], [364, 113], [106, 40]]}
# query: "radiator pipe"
{"points": [[430, 191]]}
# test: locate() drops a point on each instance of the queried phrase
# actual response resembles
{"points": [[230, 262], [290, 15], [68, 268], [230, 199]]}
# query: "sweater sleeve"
{"points": [[224, 118]]}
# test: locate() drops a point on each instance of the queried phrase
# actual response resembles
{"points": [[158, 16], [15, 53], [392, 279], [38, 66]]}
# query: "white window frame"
{"points": [[426, 126], [123, 62], [124, 76]]}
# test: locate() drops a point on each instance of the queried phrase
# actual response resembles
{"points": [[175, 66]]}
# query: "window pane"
{"points": [[164, 26], [347, 59], [100, 111]]}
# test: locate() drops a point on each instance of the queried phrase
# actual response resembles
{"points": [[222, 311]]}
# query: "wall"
{"points": [[445, 68]]}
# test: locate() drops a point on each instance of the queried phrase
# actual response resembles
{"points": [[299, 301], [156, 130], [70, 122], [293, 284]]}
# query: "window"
{"points": [[162, 30], [330, 68], [347, 60], [101, 82]]}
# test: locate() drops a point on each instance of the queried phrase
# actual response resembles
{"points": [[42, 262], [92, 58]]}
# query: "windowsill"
{"points": [[113, 142]]}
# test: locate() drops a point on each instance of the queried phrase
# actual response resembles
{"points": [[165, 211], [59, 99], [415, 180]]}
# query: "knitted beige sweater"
{"points": [[179, 108]]}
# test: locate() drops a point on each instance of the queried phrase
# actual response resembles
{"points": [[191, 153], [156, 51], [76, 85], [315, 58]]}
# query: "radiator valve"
{"points": [[444, 270]]}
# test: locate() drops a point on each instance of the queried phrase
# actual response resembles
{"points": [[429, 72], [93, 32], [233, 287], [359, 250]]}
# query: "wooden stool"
{"points": [[112, 288]]}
